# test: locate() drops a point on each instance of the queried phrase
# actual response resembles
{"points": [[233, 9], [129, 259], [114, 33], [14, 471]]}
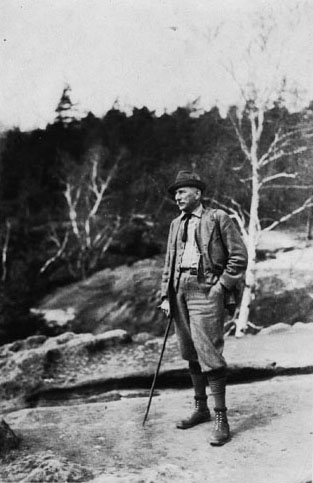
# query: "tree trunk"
{"points": [[309, 223], [248, 292], [253, 235]]}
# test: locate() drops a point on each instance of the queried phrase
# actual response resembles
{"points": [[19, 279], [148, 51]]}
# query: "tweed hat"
{"points": [[186, 178]]}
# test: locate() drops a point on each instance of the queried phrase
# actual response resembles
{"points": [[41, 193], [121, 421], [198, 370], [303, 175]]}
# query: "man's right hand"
{"points": [[165, 307]]}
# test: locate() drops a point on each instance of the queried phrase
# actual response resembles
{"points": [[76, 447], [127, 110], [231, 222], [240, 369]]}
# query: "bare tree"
{"points": [[263, 85], [87, 233]]}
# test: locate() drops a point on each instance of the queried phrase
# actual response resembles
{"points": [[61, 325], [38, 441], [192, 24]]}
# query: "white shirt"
{"points": [[191, 253]]}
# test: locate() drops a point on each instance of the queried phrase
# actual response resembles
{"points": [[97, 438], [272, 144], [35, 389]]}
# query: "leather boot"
{"points": [[200, 415], [220, 433]]}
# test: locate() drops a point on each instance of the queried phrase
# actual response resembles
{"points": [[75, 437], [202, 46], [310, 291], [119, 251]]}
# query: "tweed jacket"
{"points": [[223, 255]]}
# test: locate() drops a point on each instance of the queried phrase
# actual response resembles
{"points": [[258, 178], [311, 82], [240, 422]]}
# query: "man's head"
{"points": [[187, 189], [187, 198]]}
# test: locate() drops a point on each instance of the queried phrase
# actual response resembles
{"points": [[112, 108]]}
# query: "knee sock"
{"points": [[217, 383], [198, 379]]}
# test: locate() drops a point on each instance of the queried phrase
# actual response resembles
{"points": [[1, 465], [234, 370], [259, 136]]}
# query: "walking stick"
{"points": [[157, 369]]}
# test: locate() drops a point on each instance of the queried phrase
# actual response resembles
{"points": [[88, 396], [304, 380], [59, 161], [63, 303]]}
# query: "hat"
{"points": [[186, 178]]}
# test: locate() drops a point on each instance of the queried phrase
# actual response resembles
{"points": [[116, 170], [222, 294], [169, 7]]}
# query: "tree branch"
{"points": [[103, 186], [72, 207], [242, 142], [230, 69], [5, 250], [110, 239], [58, 254], [283, 140], [306, 204], [281, 154], [277, 176], [259, 128], [295, 186]]}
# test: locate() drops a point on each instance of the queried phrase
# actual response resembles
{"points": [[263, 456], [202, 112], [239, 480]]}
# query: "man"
{"points": [[205, 259]]}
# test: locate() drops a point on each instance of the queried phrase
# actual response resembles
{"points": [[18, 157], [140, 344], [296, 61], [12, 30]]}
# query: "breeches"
{"points": [[199, 322]]}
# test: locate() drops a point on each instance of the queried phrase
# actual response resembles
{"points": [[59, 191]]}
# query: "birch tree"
{"points": [[89, 229], [261, 81]]}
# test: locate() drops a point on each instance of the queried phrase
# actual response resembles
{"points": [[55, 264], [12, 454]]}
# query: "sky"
{"points": [[157, 53]]}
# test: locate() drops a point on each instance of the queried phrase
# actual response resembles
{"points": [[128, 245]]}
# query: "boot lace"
{"points": [[200, 403], [220, 418]]}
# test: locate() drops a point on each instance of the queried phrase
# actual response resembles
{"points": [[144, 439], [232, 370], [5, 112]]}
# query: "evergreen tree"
{"points": [[66, 111]]}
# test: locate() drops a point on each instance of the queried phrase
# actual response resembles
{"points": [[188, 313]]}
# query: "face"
{"points": [[187, 198]]}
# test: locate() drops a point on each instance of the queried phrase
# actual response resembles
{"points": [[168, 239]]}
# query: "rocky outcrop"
{"points": [[125, 298], [61, 444], [8, 439], [39, 361], [285, 289], [128, 296], [73, 368], [45, 466]]}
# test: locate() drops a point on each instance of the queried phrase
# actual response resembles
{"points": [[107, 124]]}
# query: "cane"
{"points": [[157, 369]]}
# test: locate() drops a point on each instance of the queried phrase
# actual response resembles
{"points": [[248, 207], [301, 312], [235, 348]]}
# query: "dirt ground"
{"points": [[271, 424]]}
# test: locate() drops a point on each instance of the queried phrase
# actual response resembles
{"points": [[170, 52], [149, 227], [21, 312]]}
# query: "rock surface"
{"points": [[38, 361], [43, 467], [285, 288], [270, 424], [8, 439], [98, 436], [128, 296], [72, 366], [125, 298]]}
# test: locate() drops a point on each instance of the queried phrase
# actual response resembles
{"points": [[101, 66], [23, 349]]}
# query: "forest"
{"points": [[89, 193]]}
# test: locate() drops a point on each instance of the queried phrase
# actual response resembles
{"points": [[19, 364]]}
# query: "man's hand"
{"points": [[165, 307]]}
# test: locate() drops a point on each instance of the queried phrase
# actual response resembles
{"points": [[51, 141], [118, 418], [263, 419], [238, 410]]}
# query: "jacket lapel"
{"points": [[205, 230], [176, 226]]}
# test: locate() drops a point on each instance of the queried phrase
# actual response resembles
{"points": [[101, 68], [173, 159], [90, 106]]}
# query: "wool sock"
{"points": [[198, 379], [218, 390]]}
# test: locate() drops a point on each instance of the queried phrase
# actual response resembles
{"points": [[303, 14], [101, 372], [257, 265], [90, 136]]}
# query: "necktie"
{"points": [[186, 217]]}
